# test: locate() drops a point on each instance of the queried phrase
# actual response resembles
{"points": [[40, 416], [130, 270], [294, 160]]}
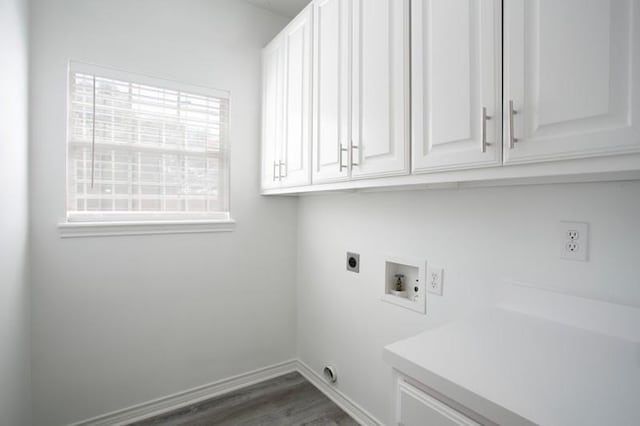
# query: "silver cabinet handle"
{"points": [[341, 149], [485, 117], [280, 175], [512, 139], [274, 170], [352, 154]]}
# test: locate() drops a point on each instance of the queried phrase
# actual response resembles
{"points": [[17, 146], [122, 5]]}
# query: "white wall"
{"points": [[14, 290], [122, 320], [480, 236]]}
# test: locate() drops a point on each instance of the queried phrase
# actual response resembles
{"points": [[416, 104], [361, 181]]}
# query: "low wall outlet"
{"points": [[434, 280], [574, 241]]}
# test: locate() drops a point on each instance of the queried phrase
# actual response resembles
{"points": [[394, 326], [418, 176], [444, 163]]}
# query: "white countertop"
{"points": [[516, 368]]}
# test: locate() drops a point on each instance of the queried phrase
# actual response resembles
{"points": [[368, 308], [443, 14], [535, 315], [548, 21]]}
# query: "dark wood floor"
{"points": [[286, 400]]}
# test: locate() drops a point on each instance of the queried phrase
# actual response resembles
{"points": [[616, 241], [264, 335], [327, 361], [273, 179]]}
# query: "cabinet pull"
{"points": [[485, 117], [280, 175], [352, 155], [274, 170], [512, 139], [341, 149]]}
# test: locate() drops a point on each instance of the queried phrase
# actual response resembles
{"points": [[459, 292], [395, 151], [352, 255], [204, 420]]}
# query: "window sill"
{"points": [[116, 229]]}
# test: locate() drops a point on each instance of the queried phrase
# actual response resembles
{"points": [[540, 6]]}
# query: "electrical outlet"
{"points": [[575, 241], [353, 262], [434, 280]]}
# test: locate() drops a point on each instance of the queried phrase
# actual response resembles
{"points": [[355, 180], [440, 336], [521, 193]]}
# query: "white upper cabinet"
{"points": [[571, 86], [380, 93], [331, 90], [456, 84], [296, 144], [272, 112], [286, 105], [362, 93]]}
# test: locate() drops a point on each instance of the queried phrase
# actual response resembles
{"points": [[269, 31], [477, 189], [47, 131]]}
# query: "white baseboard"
{"points": [[201, 393], [358, 413], [189, 397]]}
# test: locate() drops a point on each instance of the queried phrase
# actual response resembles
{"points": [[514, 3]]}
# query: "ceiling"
{"points": [[289, 8]]}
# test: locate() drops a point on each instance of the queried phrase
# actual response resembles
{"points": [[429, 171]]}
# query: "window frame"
{"points": [[143, 222]]}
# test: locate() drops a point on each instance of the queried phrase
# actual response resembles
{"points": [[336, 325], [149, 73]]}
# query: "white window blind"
{"points": [[145, 149]]}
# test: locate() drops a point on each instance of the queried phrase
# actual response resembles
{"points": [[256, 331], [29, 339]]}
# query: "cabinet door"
{"points": [[456, 84], [296, 145], [572, 77], [416, 408], [331, 90], [381, 143], [272, 112]]}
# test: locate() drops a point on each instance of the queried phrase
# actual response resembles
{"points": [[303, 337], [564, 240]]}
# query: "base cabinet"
{"points": [[414, 407]]}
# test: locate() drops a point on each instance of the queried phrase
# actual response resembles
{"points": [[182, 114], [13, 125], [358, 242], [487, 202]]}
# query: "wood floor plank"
{"points": [[288, 400]]}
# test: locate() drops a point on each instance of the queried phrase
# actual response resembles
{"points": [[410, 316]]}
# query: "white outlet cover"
{"points": [[574, 241], [434, 280]]}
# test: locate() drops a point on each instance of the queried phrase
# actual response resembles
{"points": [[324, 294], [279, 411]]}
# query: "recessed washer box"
{"points": [[404, 283]]}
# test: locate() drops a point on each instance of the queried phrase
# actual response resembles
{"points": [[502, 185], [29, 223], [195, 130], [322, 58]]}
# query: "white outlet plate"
{"points": [[574, 241], [434, 280]]}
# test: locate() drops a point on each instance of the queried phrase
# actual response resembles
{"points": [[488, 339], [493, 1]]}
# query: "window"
{"points": [[145, 149]]}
